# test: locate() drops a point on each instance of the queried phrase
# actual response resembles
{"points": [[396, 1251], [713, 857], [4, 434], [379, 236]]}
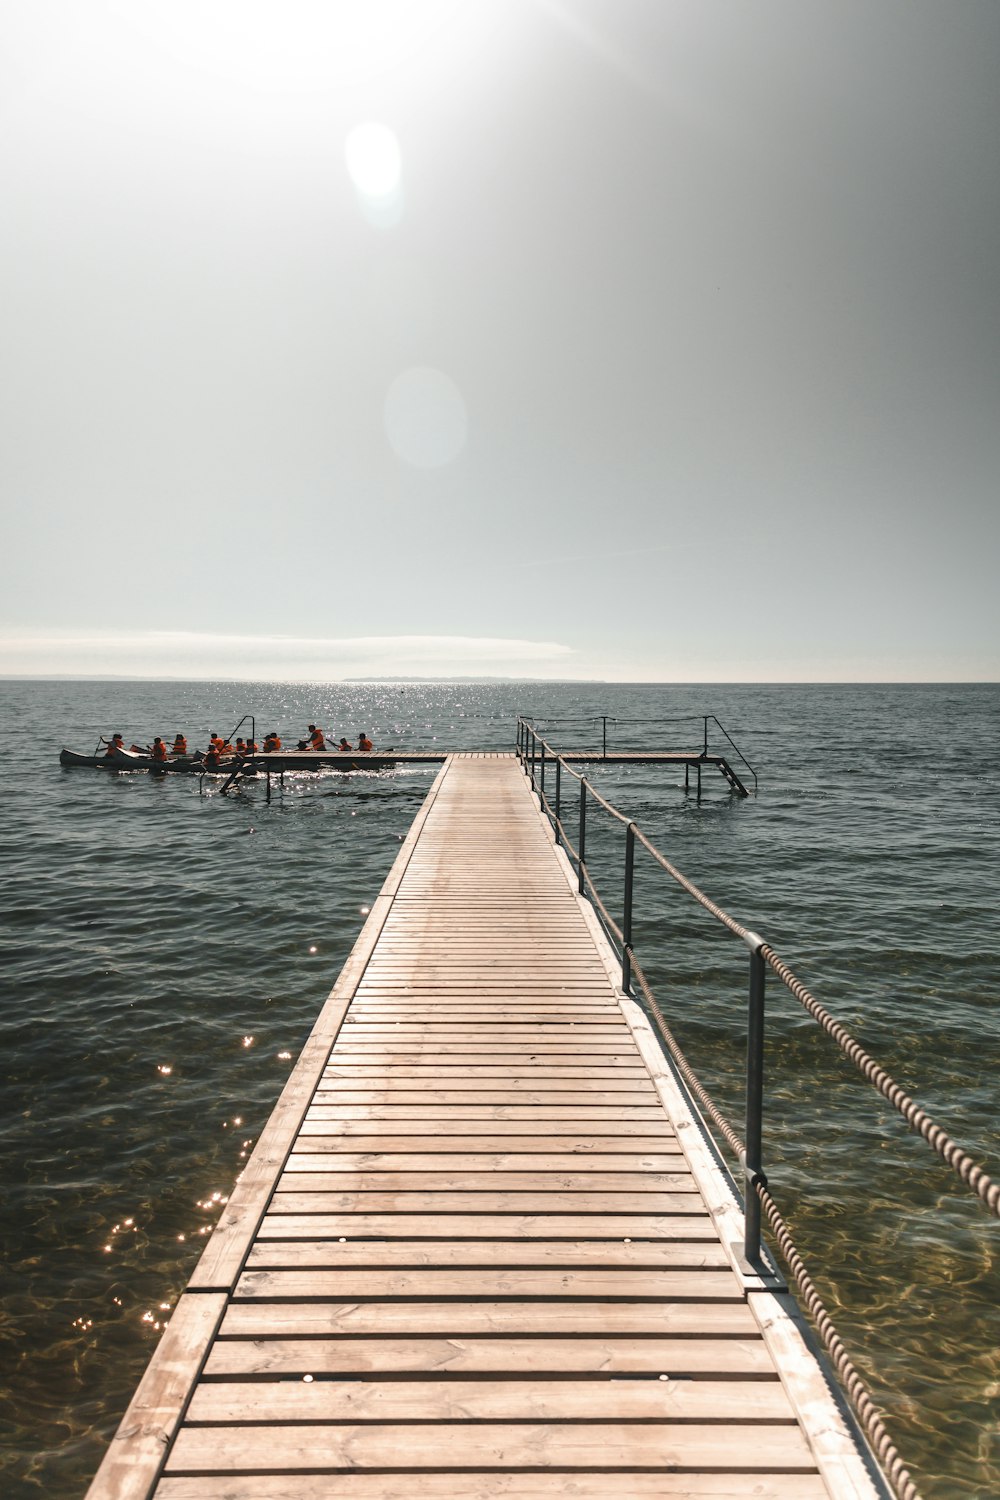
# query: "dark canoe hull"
{"points": [[282, 760], [125, 760]]}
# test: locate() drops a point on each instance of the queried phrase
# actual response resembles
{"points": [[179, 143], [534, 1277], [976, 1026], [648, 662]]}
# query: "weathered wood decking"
{"points": [[481, 1248]]}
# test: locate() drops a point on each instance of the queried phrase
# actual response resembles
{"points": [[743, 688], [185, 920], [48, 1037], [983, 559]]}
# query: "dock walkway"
{"points": [[481, 1248]]}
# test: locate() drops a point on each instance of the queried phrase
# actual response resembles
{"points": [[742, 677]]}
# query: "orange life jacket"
{"points": [[316, 740], [345, 744], [112, 748], [160, 751], [364, 743], [180, 745], [272, 743]]}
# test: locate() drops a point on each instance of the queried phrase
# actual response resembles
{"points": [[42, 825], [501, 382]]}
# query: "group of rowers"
{"points": [[219, 748]]}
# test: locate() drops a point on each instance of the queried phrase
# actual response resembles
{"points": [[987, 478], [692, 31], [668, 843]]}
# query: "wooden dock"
{"points": [[482, 1248]]}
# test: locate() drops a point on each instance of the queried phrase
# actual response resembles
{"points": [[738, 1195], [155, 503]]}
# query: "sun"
{"points": [[373, 160]]}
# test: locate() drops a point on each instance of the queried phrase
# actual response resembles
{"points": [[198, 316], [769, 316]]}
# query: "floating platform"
{"points": [[482, 1247]]}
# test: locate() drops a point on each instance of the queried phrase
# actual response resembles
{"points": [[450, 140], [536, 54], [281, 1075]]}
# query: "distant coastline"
{"points": [[345, 681]]}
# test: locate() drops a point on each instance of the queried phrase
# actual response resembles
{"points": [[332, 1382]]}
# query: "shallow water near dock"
{"points": [[166, 952]]}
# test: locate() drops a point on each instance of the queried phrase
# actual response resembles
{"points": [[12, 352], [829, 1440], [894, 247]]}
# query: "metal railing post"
{"points": [[604, 736], [704, 743], [582, 846], [541, 778], [752, 1162], [627, 913], [534, 738], [558, 800]]}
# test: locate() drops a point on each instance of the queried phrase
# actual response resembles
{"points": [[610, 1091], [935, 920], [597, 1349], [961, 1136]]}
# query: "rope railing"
{"points": [[757, 1195], [867, 1412], [917, 1118]]}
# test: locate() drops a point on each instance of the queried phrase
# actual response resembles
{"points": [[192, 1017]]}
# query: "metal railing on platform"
{"points": [[536, 754], [587, 726]]}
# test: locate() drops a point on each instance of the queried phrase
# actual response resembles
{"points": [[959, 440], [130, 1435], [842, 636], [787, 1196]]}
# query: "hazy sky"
{"points": [[638, 339]]}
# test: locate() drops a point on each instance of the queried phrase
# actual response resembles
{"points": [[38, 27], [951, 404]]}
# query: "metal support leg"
{"points": [[581, 868], [558, 800], [627, 913], [753, 1164]]}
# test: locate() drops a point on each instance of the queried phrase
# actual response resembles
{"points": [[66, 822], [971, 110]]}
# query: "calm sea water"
{"points": [[164, 955]]}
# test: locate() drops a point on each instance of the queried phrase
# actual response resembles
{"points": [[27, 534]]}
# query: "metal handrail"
{"points": [[605, 719], [736, 747]]}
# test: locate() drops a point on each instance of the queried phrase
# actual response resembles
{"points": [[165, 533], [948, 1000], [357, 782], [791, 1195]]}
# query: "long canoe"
{"points": [[128, 760]]}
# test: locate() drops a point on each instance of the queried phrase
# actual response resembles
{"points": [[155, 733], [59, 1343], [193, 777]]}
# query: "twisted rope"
{"points": [[973, 1175], [918, 1119], [854, 1387]]}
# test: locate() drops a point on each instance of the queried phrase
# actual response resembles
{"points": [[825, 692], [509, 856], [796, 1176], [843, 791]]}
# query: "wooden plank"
{"points": [[539, 1201], [572, 1283], [834, 1450], [132, 1462], [732, 1358], [642, 1184], [601, 1116], [495, 1135], [510, 1445], [581, 1046], [737, 1401], [299, 1320], [510, 1094], [534, 1069], [480, 1161], [621, 1253], [463, 1225], [347, 1158], [468, 1485]]}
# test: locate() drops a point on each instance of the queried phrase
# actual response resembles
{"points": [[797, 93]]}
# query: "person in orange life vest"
{"points": [[210, 760], [180, 745], [316, 740], [345, 744], [271, 743], [215, 742], [364, 743], [241, 748], [115, 744], [251, 747], [159, 750]]}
